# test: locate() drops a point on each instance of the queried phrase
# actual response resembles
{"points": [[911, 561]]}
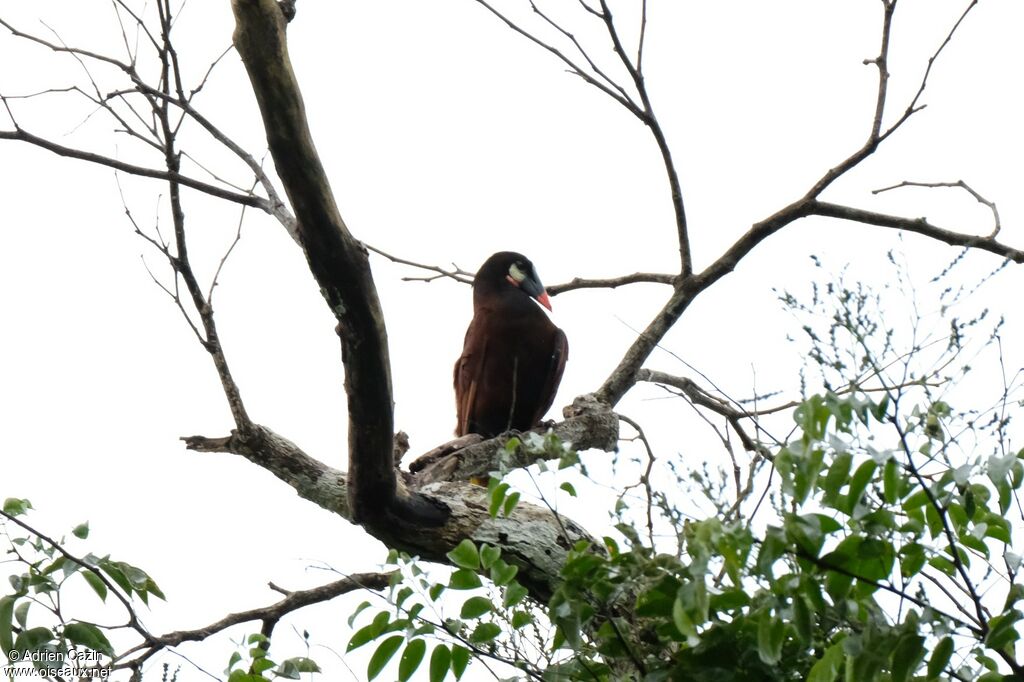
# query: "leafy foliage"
{"points": [[880, 562], [33, 625], [252, 663]]}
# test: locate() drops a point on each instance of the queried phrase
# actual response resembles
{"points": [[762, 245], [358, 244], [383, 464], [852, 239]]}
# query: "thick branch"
{"points": [[623, 377], [589, 424], [532, 537], [338, 262]]}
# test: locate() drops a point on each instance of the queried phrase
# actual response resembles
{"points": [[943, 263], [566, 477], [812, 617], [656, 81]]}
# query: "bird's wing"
{"points": [[556, 366], [467, 373]]}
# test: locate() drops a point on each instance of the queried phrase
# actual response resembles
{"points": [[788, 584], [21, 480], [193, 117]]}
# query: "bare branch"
{"points": [[962, 185], [465, 277], [579, 48], [626, 102], [456, 273], [612, 282], [877, 135], [919, 226], [65, 49], [913, 106], [651, 120], [23, 135], [227, 254], [293, 601]]}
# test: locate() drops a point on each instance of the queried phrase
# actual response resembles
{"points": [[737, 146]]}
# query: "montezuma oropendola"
{"points": [[513, 356]]}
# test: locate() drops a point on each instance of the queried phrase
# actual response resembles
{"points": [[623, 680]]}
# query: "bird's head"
{"points": [[510, 268]]}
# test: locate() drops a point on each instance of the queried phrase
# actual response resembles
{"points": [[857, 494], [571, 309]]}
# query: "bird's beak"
{"points": [[533, 287], [544, 300]]}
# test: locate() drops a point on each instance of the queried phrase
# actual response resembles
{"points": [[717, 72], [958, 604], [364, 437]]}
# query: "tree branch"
{"points": [[651, 121], [268, 614], [530, 537], [340, 265], [589, 424], [612, 282], [918, 226], [23, 135]]}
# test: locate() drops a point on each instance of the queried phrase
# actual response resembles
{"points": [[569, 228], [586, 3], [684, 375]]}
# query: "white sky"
{"points": [[447, 138]]}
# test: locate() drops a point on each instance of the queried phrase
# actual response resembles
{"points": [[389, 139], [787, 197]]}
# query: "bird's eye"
{"points": [[517, 271]]}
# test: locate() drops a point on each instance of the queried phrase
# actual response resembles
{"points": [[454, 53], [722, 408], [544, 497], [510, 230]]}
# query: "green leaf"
{"points": [[411, 659], [299, 664], [968, 540], [912, 559], [521, 619], [568, 487], [859, 483], [681, 619], [488, 555], [385, 650], [355, 614], [891, 482], [497, 495], [368, 632], [464, 579], [89, 636], [838, 475], [484, 632], [439, 662], [907, 655], [474, 607], [261, 664], [96, 583], [258, 639], [826, 669], [502, 573], [772, 548], [14, 506], [514, 594], [729, 600], [400, 596], [465, 555], [21, 613], [940, 657], [460, 659], [943, 564], [918, 499], [510, 504], [803, 621], [6, 616], [81, 531], [30, 640], [1002, 631], [770, 635]]}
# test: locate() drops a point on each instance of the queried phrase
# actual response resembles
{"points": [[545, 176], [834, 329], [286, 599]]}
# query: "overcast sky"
{"points": [[447, 137]]}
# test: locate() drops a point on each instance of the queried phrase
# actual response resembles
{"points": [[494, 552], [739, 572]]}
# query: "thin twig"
{"points": [[962, 185]]}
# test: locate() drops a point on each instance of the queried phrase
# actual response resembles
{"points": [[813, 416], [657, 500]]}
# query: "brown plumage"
{"points": [[513, 356]]}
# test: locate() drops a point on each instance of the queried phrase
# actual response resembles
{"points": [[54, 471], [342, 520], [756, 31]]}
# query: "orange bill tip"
{"points": [[544, 300]]}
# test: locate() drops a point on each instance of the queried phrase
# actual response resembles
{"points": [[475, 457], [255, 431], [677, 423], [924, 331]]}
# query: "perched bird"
{"points": [[513, 356]]}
